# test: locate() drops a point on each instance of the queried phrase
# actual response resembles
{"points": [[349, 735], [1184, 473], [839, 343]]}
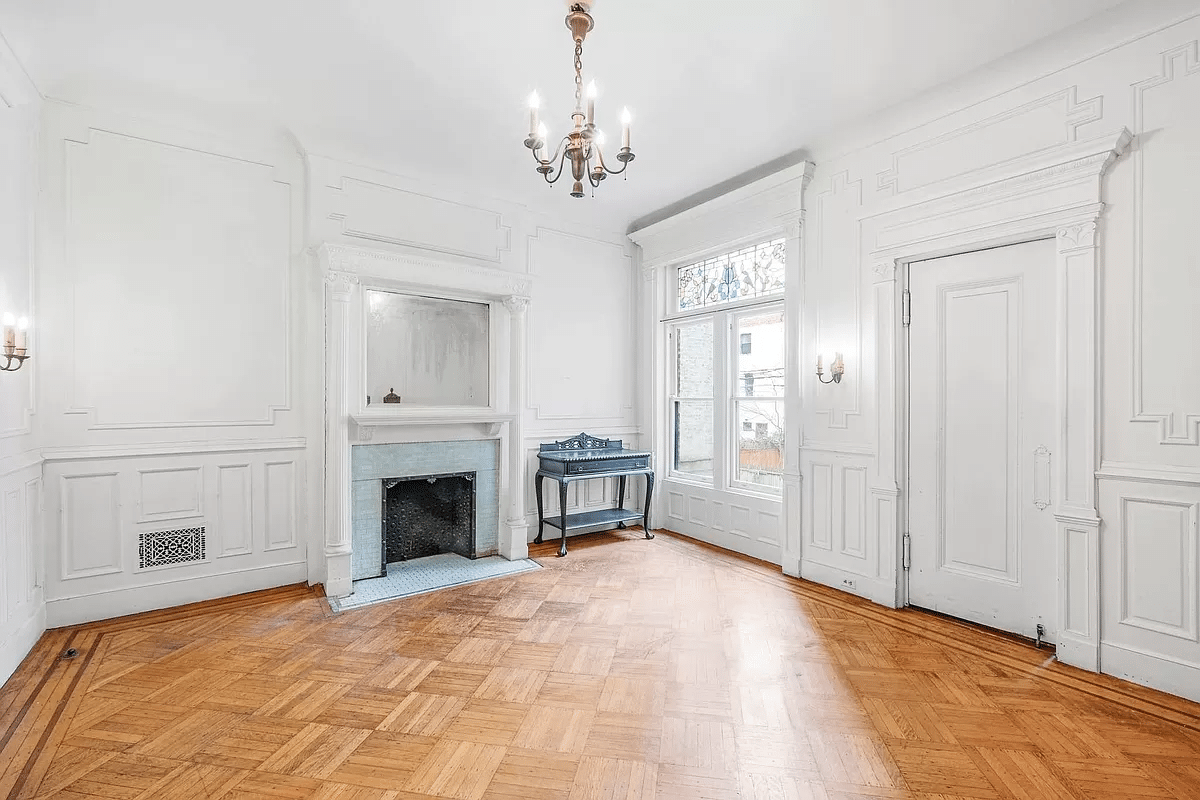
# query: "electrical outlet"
{"points": [[848, 583]]}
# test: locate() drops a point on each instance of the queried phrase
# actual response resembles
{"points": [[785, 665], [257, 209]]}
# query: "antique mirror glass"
{"points": [[430, 351]]}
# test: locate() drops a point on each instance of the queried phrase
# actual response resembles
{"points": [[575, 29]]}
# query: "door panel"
{"points": [[981, 425]]}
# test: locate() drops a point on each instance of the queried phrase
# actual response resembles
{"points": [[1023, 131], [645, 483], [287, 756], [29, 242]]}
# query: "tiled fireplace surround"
{"points": [[370, 465], [367, 444]]}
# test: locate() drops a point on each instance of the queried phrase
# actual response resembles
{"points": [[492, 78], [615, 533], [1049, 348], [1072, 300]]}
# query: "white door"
{"points": [[981, 437]]}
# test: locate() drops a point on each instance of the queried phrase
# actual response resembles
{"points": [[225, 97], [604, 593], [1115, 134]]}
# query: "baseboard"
{"points": [[16, 646], [1077, 652], [136, 599], [1157, 671], [873, 589]]}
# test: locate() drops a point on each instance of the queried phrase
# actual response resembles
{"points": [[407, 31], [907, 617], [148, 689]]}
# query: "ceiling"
{"points": [[435, 89]]}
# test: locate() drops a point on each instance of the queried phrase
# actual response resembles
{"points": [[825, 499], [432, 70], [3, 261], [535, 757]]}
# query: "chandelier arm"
{"points": [[605, 167], [561, 164], [552, 158]]}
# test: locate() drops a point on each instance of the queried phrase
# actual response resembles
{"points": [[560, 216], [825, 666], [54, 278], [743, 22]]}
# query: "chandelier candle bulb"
{"points": [[625, 120], [21, 337], [591, 97], [534, 103]]}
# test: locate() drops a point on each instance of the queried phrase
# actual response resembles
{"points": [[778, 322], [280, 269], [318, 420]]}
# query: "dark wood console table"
{"points": [[584, 457]]}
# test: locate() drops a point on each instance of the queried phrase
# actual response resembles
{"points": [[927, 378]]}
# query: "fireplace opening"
{"points": [[428, 515]]}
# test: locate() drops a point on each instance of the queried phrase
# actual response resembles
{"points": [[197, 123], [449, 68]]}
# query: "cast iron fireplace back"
{"points": [[428, 515]]}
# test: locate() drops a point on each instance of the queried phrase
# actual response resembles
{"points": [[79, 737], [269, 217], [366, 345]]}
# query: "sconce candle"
{"points": [[836, 369], [10, 334], [15, 349]]}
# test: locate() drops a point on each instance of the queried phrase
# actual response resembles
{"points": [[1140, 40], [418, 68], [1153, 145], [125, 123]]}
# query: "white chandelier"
{"points": [[582, 146]]}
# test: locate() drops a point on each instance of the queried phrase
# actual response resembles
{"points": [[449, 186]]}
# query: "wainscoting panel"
{"points": [[742, 522], [848, 525], [170, 493], [242, 532], [235, 510], [22, 611], [279, 489], [1150, 555], [89, 530]]}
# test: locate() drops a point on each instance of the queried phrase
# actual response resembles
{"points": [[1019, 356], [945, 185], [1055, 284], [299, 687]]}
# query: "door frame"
{"points": [[1055, 193]]}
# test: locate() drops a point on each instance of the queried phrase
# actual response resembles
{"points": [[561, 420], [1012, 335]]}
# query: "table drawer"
{"points": [[608, 465]]}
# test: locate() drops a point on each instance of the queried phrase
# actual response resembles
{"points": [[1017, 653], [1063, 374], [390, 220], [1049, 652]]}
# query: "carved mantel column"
{"points": [[342, 288], [514, 535]]}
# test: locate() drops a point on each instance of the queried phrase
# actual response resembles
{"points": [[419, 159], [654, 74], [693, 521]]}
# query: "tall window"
{"points": [[727, 361]]}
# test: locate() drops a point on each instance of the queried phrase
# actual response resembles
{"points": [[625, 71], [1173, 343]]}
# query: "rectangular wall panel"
{"points": [[854, 523], [170, 493], [235, 531], [978, 333], [280, 495], [19, 551], [822, 506], [90, 534], [141, 213], [1158, 560]]}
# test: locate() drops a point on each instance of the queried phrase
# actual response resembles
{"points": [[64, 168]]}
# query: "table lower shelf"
{"points": [[594, 519]]}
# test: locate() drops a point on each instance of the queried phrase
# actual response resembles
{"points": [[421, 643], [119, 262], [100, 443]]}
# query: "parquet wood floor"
{"points": [[630, 669]]}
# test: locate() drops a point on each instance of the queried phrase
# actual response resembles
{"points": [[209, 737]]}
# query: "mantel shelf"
{"points": [[427, 416]]}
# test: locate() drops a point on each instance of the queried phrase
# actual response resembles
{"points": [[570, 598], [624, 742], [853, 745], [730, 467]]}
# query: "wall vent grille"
{"points": [[170, 548]]}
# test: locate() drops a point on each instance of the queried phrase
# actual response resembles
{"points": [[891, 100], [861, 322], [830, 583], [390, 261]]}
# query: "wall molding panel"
{"points": [[1158, 550], [170, 493], [1036, 125], [90, 539], [606, 280], [375, 212], [1172, 401], [833, 227], [118, 397]]}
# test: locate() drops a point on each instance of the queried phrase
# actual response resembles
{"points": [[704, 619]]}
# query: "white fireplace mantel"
{"points": [[347, 268], [490, 420]]}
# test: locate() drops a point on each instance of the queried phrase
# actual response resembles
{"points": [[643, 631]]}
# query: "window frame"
{"points": [[673, 398], [727, 392]]}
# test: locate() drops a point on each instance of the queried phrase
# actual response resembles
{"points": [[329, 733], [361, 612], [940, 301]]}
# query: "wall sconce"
{"points": [[15, 343], [836, 370]]}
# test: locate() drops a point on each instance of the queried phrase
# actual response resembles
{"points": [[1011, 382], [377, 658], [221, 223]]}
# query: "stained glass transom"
{"points": [[754, 271]]}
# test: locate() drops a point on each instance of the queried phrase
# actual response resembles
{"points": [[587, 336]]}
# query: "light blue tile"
{"points": [[423, 575]]}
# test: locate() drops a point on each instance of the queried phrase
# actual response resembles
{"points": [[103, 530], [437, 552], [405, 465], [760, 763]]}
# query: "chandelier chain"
{"points": [[579, 74]]}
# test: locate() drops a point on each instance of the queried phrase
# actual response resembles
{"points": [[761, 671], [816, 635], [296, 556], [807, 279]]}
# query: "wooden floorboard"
{"points": [[632, 668]]}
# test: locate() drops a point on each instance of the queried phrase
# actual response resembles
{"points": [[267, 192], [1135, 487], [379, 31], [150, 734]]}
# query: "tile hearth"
{"points": [[428, 574]]}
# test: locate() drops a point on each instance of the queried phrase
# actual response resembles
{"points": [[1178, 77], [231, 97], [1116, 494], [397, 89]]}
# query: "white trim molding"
{"points": [[1056, 193]]}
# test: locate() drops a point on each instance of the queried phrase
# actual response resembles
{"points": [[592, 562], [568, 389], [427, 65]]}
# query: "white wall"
{"points": [[1144, 76], [22, 608]]}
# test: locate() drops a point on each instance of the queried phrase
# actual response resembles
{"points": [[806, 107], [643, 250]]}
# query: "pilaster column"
{"points": [[514, 535], [1077, 461], [793, 405], [793, 348], [885, 506], [342, 288]]}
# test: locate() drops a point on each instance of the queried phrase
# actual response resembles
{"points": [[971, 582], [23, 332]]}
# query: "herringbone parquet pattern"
{"points": [[630, 669]]}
